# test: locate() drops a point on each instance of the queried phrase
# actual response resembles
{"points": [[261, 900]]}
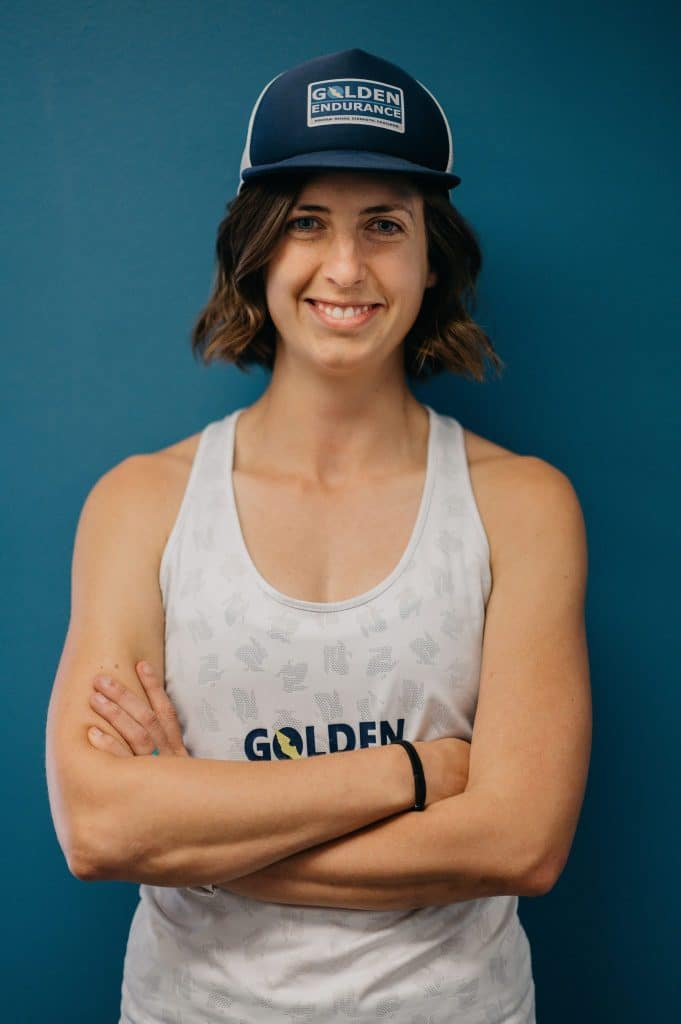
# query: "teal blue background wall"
{"points": [[122, 131]]}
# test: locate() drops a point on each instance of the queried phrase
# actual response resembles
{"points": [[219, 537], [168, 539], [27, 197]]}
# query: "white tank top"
{"points": [[254, 675]]}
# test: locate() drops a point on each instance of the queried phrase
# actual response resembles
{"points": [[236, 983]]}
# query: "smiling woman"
{"points": [[237, 324], [343, 260], [348, 598]]}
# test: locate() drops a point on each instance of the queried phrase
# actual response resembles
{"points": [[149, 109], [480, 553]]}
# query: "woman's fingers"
{"points": [[141, 726], [163, 708], [132, 718], [110, 744]]}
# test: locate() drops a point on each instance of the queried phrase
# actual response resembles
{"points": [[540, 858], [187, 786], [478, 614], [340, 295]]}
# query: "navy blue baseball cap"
{"points": [[348, 110]]}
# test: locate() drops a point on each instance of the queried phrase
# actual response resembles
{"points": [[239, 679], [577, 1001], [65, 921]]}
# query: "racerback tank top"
{"points": [[254, 675]]}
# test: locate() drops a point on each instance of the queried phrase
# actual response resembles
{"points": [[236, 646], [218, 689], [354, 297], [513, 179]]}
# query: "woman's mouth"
{"points": [[342, 318]]}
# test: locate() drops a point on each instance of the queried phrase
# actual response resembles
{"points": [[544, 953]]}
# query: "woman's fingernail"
{"points": [[95, 731], [146, 668]]}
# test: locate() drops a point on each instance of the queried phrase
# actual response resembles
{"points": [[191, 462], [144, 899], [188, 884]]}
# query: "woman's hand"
{"points": [[141, 729]]}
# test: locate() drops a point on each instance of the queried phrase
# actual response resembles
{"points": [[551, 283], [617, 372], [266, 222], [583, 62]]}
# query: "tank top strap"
{"points": [[204, 490], [454, 497]]}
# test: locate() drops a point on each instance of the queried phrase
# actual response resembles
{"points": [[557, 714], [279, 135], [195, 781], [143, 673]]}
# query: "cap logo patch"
{"points": [[355, 101]]}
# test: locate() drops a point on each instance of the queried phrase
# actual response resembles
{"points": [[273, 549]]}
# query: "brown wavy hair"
{"points": [[235, 325]]}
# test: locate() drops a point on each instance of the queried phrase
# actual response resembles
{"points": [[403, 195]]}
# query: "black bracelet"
{"points": [[419, 777]]}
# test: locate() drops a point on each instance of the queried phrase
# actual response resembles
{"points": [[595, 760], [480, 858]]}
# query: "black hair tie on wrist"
{"points": [[419, 777]]}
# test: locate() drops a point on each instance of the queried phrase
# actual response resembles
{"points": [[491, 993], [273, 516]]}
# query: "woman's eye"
{"points": [[297, 220], [392, 223]]}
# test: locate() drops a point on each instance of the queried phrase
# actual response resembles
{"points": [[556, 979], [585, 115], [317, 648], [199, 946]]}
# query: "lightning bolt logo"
{"points": [[285, 744]]}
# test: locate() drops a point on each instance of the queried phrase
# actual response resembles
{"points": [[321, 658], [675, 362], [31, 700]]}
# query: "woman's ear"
{"points": [[431, 279]]}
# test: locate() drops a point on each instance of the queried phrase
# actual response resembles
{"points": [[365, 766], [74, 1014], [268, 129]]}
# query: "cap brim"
{"points": [[355, 160]]}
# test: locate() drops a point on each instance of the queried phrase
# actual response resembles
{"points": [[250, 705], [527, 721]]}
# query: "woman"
{"points": [[326, 558]]}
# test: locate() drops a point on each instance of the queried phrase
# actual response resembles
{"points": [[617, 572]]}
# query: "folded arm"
{"points": [[174, 821], [447, 853]]}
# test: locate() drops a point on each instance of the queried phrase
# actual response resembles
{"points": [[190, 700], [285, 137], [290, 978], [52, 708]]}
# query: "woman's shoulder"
{"points": [[162, 474], [165, 467], [503, 466], [180, 452], [481, 449], [510, 488]]}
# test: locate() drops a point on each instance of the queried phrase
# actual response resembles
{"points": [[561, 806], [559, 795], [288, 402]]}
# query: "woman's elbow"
{"points": [[85, 808]]}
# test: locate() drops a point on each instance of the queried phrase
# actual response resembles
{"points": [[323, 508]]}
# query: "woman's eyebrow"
{"points": [[381, 208]]}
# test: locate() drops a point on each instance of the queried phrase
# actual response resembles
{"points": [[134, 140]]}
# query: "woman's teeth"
{"points": [[343, 312]]}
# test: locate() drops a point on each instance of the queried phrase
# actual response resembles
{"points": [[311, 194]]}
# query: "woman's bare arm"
{"points": [[441, 856], [184, 821]]}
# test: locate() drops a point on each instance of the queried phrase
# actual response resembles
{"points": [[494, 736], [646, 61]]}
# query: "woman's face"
{"points": [[340, 251]]}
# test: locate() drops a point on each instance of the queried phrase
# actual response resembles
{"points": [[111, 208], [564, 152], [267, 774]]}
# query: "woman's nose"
{"points": [[343, 262]]}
